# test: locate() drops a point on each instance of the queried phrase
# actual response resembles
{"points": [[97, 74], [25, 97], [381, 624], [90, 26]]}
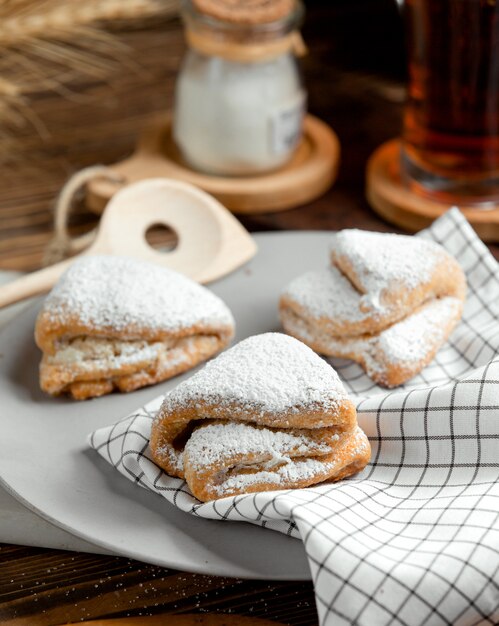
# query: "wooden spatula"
{"points": [[211, 242]]}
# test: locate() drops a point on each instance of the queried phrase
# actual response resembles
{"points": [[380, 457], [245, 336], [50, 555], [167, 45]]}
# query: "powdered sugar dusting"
{"points": [[288, 472], [366, 287], [328, 294], [111, 292], [285, 476], [211, 444], [270, 373], [379, 259], [409, 340], [404, 344]]}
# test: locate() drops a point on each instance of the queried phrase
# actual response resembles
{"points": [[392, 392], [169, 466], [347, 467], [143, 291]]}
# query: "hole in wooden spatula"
{"points": [[161, 238]]}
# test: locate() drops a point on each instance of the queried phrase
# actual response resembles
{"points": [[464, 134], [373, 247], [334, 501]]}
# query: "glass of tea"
{"points": [[450, 148]]}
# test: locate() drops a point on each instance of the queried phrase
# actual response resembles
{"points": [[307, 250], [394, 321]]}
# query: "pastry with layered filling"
{"points": [[267, 414], [387, 301], [115, 323]]}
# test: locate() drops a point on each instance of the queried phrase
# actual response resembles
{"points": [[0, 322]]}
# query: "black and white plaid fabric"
{"points": [[414, 539]]}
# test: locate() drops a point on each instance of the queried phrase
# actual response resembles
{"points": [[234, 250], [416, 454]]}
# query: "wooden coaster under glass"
{"points": [[390, 197], [308, 175]]}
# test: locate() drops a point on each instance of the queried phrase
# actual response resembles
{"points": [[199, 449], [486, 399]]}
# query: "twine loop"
{"points": [[62, 244], [245, 52]]}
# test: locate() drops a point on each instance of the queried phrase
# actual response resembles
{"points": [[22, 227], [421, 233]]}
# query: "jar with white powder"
{"points": [[240, 100]]}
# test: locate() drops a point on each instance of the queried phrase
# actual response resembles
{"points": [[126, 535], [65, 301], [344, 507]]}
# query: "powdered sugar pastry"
{"points": [[269, 407], [388, 302], [117, 323], [119, 292]]}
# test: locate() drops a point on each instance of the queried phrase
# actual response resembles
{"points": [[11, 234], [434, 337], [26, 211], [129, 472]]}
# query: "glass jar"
{"points": [[240, 99]]}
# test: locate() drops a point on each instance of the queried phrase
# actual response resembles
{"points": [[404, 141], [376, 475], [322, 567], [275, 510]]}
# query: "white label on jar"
{"points": [[286, 125]]}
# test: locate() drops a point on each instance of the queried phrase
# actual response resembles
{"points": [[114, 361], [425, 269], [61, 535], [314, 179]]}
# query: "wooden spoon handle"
{"points": [[32, 285]]}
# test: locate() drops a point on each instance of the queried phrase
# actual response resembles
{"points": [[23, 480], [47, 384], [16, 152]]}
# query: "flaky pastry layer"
{"points": [[87, 367], [392, 356], [221, 461], [173, 426]]}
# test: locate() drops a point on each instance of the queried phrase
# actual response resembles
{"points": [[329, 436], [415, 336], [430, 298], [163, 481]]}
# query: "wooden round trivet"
{"points": [[308, 175], [394, 201]]}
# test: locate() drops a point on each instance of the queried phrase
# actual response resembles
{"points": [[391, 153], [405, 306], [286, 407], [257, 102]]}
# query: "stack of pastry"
{"points": [[117, 323], [266, 414], [387, 301]]}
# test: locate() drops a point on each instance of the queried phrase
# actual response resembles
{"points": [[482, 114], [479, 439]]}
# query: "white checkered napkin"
{"points": [[414, 539]]}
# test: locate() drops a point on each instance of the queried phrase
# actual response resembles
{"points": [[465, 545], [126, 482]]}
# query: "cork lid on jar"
{"points": [[246, 11]]}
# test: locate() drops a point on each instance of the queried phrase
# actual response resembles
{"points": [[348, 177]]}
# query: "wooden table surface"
{"points": [[355, 77]]}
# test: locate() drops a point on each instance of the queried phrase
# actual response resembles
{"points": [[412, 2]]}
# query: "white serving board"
{"points": [[19, 525], [45, 461]]}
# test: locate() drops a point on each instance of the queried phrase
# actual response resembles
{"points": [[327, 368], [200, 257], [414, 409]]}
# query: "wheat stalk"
{"points": [[21, 20], [45, 44]]}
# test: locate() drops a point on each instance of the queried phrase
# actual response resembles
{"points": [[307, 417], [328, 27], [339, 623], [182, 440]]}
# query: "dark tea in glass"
{"points": [[451, 122]]}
